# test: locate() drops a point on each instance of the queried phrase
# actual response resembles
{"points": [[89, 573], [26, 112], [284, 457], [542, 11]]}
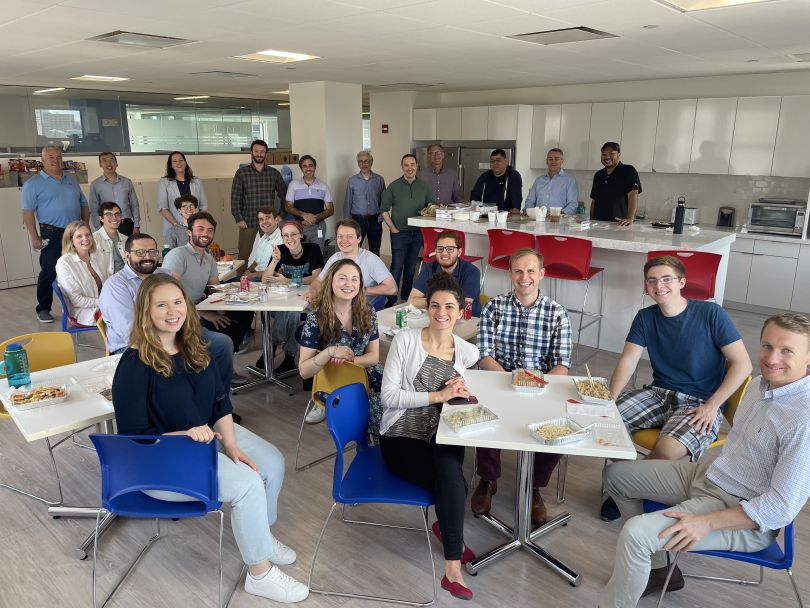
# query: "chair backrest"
{"points": [[347, 421], [65, 312], [429, 238], [484, 299], [503, 243], [565, 253], [734, 401], [131, 464], [45, 349], [701, 271], [102, 329], [334, 376]]}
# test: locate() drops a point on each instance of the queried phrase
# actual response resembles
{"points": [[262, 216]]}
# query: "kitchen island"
{"points": [[620, 250]]}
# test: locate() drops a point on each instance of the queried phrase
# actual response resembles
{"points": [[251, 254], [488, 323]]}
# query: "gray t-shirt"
{"points": [[373, 268], [195, 270]]}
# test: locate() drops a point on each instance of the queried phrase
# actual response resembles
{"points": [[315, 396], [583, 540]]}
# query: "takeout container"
{"points": [[529, 386], [462, 216], [578, 433], [467, 419], [61, 384], [97, 384], [587, 398]]}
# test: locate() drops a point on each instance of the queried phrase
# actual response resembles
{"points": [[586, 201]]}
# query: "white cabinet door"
{"points": [[711, 140], [754, 135], [790, 158], [673, 137], [545, 133], [638, 134], [575, 126], [801, 287], [16, 245], [448, 123], [606, 125], [474, 123], [502, 122], [424, 124], [739, 271], [771, 282]]}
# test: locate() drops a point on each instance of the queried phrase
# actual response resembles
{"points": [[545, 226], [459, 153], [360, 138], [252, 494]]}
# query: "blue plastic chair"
{"points": [[132, 464], [367, 479], [68, 323], [773, 557]]}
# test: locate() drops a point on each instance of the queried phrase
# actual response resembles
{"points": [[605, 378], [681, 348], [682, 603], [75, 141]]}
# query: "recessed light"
{"points": [[287, 92], [284, 103], [651, 26], [686, 6], [41, 91], [99, 78], [192, 97], [272, 56], [752, 61]]}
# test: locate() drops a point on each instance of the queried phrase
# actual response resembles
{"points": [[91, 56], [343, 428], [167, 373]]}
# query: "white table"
{"points": [[229, 273], [292, 301], [516, 411]]}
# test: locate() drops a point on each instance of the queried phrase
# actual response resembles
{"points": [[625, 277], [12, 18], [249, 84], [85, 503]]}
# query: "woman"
{"points": [[178, 180], [343, 327], [164, 385], [291, 257], [423, 370], [81, 271]]}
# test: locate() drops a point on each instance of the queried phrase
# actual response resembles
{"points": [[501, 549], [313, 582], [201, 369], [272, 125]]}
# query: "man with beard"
{"points": [[254, 185], [614, 195], [448, 259]]}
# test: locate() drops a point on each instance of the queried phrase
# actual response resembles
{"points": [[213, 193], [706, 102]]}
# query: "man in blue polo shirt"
{"points": [[309, 201], [54, 200]]}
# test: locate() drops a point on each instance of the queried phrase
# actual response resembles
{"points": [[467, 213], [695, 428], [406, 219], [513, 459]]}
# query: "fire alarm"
{"points": [[385, 128]]}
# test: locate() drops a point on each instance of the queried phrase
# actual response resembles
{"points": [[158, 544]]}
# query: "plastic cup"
{"points": [[475, 216], [502, 215], [491, 216], [554, 214]]}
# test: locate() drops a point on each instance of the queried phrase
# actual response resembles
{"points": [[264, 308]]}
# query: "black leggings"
{"points": [[437, 468]]}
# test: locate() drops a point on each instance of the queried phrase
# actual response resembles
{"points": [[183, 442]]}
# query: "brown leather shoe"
{"points": [[656, 581], [539, 515], [481, 501]]}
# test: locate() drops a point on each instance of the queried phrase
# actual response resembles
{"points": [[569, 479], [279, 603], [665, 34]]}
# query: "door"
{"points": [[472, 163]]}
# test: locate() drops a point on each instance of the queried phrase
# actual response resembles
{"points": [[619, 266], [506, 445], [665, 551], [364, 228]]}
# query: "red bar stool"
{"points": [[568, 258], [429, 245], [502, 244]]}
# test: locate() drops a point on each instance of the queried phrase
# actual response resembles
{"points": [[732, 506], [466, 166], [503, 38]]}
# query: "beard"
{"points": [[140, 268], [258, 160]]}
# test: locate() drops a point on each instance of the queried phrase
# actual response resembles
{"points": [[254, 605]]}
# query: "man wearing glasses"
{"points": [[689, 343], [448, 259], [362, 204], [443, 182], [108, 239]]}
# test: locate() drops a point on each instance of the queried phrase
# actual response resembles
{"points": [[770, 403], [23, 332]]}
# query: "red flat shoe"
{"points": [[466, 556], [456, 589]]}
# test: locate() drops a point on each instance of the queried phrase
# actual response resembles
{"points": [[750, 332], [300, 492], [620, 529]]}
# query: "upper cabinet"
{"points": [[711, 140], [673, 138], [606, 125], [474, 123], [424, 124], [790, 157], [502, 123], [754, 135], [638, 134], [448, 123], [575, 124], [545, 133]]}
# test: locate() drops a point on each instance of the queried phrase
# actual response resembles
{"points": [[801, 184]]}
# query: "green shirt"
{"points": [[403, 200]]}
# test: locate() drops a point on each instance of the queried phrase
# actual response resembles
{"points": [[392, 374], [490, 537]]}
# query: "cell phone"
{"points": [[471, 400]]}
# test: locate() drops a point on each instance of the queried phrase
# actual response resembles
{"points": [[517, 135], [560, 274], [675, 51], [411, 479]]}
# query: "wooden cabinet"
{"points": [[673, 137], [754, 138], [801, 288], [606, 125], [639, 125], [424, 124], [790, 158], [448, 123], [545, 133], [474, 123], [711, 140], [502, 122], [575, 125]]}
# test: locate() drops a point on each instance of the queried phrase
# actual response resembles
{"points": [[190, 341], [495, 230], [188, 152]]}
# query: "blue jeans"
{"points": [[405, 246], [48, 256], [370, 227], [253, 496], [284, 326]]}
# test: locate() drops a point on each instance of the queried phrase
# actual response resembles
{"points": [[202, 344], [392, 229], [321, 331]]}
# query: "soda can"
{"points": [[467, 309], [262, 292], [402, 318], [244, 283]]}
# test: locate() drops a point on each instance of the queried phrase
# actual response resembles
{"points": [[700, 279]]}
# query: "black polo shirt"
{"points": [[610, 192]]}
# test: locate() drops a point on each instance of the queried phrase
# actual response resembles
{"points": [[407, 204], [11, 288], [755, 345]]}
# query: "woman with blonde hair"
{"points": [[343, 327], [165, 385], [80, 272]]}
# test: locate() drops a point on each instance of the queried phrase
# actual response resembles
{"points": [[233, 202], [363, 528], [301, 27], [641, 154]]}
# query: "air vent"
{"points": [[224, 74], [135, 39], [801, 56], [571, 34], [410, 85]]}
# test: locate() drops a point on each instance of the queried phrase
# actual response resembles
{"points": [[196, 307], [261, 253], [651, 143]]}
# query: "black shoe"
{"points": [[260, 363], [286, 366], [656, 581], [610, 510], [236, 417], [238, 380]]}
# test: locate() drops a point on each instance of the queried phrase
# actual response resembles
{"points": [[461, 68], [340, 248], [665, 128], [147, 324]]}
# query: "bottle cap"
{"points": [[14, 346]]}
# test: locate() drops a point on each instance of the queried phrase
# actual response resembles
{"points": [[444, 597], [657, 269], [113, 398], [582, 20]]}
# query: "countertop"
{"points": [[757, 236]]}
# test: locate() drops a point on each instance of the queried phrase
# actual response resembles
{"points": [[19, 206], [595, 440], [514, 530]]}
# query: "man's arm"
{"points": [[387, 288], [389, 222], [328, 211], [516, 195], [237, 195], [489, 364], [31, 224], [85, 210], [631, 354], [348, 201], [417, 299], [531, 198], [593, 208], [457, 196], [632, 205], [571, 197], [134, 206]]}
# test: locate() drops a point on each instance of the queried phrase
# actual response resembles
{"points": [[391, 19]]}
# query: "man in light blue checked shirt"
{"points": [[521, 329], [556, 188], [758, 484], [362, 203]]}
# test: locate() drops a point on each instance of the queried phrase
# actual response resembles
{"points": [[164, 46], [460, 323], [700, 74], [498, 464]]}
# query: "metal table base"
{"points": [[266, 375]]}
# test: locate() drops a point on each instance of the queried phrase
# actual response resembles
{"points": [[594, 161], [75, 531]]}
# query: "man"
{"points": [[443, 182], [254, 186], [402, 199], [689, 343], [556, 188], [108, 239], [615, 190], [448, 259], [269, 238], [757, 485], [521, 329], [118, 189], [308, 199], [501, 185], [195, 267], [362, 204], [55, 200]]}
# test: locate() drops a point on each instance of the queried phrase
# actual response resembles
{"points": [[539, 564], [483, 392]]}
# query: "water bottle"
{"points": [[680, 211], [15, 365]]}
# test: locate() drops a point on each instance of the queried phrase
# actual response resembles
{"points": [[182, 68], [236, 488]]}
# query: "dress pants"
{"points": [[48, 256], [236, 330], [488, 463], [405, 247], [370, 227], [126, 227]]}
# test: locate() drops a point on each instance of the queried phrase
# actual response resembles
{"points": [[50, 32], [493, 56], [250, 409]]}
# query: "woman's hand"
{"points": [[203, 434], [339, 354], [237, 455], [456, 387], [276, 254]]}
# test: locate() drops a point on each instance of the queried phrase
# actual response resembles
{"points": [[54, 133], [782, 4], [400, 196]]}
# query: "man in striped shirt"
{"points": [[758, 484]]}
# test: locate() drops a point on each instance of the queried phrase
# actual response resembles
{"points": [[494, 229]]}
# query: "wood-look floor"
{"points": [[38, 567]]}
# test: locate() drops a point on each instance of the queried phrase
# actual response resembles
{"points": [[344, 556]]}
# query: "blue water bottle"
{"points": [[15, 365]]}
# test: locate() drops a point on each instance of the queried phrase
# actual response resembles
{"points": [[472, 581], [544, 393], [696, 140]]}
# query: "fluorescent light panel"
{"points": [[53, 90], [686, 6], [192, 97], [284, 103], [272, 56], [287, 92], [136, 39], [92, 78]]}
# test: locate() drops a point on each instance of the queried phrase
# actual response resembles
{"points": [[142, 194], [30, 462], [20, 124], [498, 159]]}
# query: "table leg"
{"points": [[87, 544], [50, 503], [266, 376]]}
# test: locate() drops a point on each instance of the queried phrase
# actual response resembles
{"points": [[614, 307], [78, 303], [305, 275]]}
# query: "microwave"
{"points": [[777, 216]]}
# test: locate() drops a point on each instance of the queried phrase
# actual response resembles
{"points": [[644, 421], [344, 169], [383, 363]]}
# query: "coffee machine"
{"points": [[725, 217]]}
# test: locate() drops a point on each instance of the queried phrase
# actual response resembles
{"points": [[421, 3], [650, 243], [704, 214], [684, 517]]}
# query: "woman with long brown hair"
{"points": [[343, 327], [165, 385]]}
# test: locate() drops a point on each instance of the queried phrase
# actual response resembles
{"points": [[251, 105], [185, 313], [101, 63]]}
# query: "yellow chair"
{"points": [[484, 298], [330, 378], [102, 329]]}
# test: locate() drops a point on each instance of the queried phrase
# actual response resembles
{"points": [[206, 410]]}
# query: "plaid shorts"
{"points": [[652, 407]]}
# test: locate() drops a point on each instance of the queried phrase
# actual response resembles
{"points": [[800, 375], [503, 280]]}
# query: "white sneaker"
{"points": [[282, 554], [277, 586], [316, 414]]}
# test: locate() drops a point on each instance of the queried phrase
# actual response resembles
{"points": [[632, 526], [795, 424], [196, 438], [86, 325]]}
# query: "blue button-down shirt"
{"points": [[363, 196], [55, 201], [121, 192], [558, 191]]}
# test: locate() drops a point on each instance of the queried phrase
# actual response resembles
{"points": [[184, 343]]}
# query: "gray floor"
{"points": [[38, 566]]}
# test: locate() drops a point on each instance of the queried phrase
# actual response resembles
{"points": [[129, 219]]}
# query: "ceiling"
{"points": [[451, 45]]}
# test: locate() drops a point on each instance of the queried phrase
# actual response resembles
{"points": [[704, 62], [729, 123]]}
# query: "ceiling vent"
{"points": [[135, 39], [801, 57], [571, 34], [223, 74], [410, 85]]}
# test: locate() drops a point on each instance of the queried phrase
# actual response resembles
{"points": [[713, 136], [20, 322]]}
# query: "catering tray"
{"points": [[99, 385], [588, 398], [61, 386], [467, 419], [607, 434], [242, 297], [527, 385], [577, 432]]}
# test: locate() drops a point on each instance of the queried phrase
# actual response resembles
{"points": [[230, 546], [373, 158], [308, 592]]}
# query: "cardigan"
{"points": [[78, 285]]}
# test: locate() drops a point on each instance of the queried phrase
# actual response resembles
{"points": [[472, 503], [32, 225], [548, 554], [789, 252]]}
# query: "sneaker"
{"points": [[315, 415], [44, 316], [282, 554], [610, 510], [276, 586]]}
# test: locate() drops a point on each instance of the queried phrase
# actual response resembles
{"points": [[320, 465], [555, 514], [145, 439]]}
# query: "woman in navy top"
{"points": [[165, 385]]}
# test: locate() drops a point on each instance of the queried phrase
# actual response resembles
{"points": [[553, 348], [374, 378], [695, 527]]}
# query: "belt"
{"points": [[365, 217], [51, 227]]}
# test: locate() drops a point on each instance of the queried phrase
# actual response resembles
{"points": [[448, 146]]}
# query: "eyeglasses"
{"points": [[363, 162], [111, 214], [290, 235], [144, 252], [652, 282], [448, 249]]}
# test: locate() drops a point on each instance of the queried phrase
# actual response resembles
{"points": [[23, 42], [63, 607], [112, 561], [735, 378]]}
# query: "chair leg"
{"points": [[484, 276], [433, 562], [303, 467], [669, 576], [132, 565], [318, 545], [795, 587], [562, 473], [361, 522]]}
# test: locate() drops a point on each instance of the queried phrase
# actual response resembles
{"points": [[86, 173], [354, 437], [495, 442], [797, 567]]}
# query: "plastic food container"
{"points": [[576, 432], [100, 385], [588, 398], [526, 385], [468, 418], [39, 394], [244, 297], [462, 216], [607, 434]]}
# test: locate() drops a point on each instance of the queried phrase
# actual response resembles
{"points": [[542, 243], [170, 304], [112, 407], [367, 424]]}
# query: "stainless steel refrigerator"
{"points": [[470, 161]]}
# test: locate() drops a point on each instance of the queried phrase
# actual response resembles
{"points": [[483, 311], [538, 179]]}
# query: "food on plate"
{"points": [[554, 431], [42, 393], [463, 417], [106, 393], [528, 378], [597, 389]]}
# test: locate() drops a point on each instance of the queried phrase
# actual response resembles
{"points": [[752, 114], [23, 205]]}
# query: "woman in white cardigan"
{"points": [[424, 369], [80, 272], [179, 179]]}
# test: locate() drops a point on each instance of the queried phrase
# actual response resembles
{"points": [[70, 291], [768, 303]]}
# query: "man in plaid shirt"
{"points": [[521, 329], [255, 185]]}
